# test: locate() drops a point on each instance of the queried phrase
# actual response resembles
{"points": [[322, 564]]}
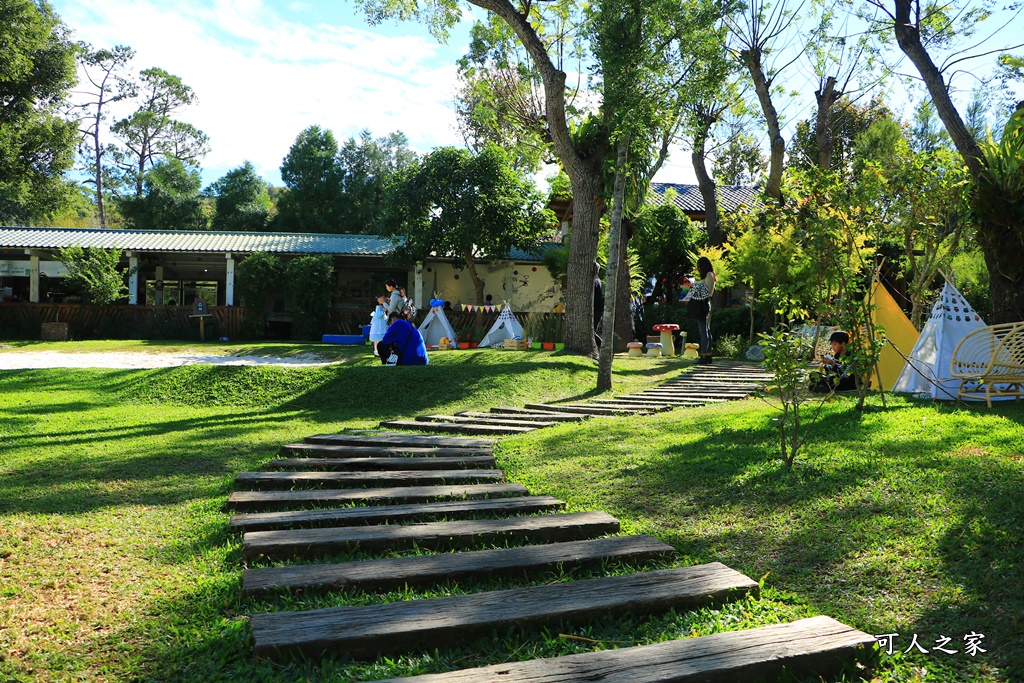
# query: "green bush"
{"points": [[258, 277], [309, 286]]}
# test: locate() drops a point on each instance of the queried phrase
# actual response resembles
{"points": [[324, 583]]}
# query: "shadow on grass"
{"points": [[913, 517]]}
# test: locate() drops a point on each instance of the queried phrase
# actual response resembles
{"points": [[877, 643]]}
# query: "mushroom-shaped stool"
{"points": [[636, 349], [666, 330], [654, 350]]}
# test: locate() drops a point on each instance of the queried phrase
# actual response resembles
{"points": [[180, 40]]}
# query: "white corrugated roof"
{"points": [[196, 241]]}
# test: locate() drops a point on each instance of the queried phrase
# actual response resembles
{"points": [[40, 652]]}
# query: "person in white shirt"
{"points": [[699, 306]]}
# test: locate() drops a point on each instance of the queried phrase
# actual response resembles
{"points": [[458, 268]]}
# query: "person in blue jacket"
{"points": [[404, 340]]}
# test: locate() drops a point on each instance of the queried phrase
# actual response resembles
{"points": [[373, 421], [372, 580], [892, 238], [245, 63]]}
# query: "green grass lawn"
{"points": [[116, 564]]}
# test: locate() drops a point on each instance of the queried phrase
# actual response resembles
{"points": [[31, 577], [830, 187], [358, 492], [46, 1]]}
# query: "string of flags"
{"points": [[437, 302]]}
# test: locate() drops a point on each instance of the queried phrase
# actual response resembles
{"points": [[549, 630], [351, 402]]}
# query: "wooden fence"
{"points": [[25, 321]]}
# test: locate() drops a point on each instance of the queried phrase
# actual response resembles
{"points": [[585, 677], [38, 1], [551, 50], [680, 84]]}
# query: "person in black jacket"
{"points": [[598, 303]]}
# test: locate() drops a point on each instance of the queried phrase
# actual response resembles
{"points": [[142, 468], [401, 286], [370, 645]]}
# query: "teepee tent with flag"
{"points": [[928, 369], [505, 327], [435, 326]]}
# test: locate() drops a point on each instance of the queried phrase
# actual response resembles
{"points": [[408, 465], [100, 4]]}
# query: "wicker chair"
{"points": [[990, 362]]}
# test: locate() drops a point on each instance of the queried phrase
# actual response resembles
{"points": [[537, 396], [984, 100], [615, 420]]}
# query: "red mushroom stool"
{"points": [[635, 349], [666, 330]]}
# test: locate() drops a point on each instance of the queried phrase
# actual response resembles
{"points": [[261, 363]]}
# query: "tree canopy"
{"points": [[241, 200], [455, 204], [37, 145]]}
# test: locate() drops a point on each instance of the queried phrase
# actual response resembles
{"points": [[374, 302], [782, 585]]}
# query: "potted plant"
{"points": [[464, 337], [548, 332]]}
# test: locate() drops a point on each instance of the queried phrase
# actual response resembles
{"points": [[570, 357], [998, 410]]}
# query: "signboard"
{"points": [[24, 269]]}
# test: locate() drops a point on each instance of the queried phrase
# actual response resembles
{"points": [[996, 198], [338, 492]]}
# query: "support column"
{"points": [[33, 279], [417, 294], [133, 280], [158, 295], [229, 282]]}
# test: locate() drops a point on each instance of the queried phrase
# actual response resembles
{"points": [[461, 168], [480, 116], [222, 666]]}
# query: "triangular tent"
{"points": [[928, 370], [505, 327], [436, 327], [898, 329]]}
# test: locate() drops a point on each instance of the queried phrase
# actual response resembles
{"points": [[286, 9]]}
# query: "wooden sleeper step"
{"points": [[819, 645], [272, 480], [433, 569], [363, 632], [254, 501], [397, 439], [387, 514], [592, 410], [456, 428], [525, 417], [554, 415], [349, 451], [487, 419], [371, 463], [311, 542]]}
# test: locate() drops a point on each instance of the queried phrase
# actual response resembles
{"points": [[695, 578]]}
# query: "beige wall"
{"points": [[526, 286]]}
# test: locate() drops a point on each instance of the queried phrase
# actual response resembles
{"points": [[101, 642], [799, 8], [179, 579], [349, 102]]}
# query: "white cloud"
{"points": [[261, 78]]}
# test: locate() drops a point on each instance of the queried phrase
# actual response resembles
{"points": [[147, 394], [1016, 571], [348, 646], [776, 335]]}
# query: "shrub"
{"points": [[309, 286], [258, 277], [93, 272]]}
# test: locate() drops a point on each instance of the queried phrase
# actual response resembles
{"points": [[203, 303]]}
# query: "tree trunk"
{"points": [[752, 60], [478, 284], [707, 185], [826, 96], [101, 212], [624, 332], [584, 176], [1006, 294], [908, 36], [579, 293], [607, 351]]}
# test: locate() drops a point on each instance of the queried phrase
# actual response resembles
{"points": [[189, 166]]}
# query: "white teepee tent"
{"points": [[505, 327], [435, 326], [927, 371]]}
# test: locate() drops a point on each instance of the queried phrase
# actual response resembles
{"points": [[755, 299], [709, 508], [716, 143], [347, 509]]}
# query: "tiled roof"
{"points": [[689, 199], [196, 241]]}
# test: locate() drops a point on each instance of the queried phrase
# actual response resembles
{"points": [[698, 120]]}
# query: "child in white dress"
{"points": [[378, 326]]}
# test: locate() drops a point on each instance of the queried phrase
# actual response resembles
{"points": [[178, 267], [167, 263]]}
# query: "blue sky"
{"points": [[263, 70]]}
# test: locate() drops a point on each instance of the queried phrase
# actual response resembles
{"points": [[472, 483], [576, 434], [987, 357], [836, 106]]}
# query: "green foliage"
{"points": [[313, 178], [258, 277], [37, 70], [367, 165], [742, 161], [666, 242], [846, 122], [785, 355], [309, 287], [171, 199], [972, 279], [93, 272], [730, 345], [556, 260], [999, 203], [151, 132], [241, 200], [466, 206]]}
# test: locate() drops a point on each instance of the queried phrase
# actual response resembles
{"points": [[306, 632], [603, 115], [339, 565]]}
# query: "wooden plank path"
{"points": [[350, 451], [397, 439], [245, 501], [388, 478], [457, 428], [427, 569], [388, 514], [818, 645], [312, 542], [374, 463], [440, 622]]}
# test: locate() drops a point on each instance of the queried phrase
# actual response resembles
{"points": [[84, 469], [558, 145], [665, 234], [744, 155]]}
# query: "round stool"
{"points": [[635, 349], [654, 350]]}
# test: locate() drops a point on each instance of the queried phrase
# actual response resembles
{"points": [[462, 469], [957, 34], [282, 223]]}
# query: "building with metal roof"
{"points": [[178, 266], [691, 202]]}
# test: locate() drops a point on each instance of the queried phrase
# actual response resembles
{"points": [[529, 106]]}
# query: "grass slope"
{"points": [[115, 561]]}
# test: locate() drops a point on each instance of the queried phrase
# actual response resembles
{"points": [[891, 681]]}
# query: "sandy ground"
{"points": [[55, 359]]}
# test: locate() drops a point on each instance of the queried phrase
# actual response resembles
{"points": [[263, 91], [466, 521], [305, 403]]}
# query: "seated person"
{"points": [[403, 339], [834, 375]]}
